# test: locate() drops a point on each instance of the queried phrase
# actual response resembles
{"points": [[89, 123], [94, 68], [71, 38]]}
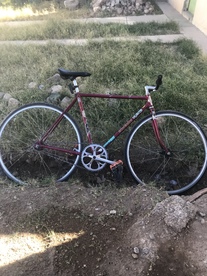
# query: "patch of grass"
{"points": [[189, 50], [116, 67], [154, 28], [48, 10], [44, 10], [75, 30]]}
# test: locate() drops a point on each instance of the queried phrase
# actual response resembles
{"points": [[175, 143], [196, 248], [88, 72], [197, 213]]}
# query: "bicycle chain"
{"points": [[63, 160]]}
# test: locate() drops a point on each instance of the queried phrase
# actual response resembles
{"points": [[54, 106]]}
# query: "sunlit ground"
{"points": [[11, 14], [22, 245]]}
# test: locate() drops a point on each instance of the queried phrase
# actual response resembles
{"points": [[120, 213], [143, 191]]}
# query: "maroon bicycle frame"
{"points": [[78, 98]]}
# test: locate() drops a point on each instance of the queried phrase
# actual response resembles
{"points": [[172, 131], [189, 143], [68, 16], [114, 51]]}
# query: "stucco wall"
{"points": [[200, 16], [177, 4]]}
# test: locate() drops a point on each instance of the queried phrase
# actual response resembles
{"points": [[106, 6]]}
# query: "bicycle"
{"points": [[166, 148]]}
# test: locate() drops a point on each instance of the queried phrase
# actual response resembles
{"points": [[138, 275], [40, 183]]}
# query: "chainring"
{"points": [[90, 155]]}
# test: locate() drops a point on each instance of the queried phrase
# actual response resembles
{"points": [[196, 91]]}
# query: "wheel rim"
{"points": [[175, 173], [21, 130]]}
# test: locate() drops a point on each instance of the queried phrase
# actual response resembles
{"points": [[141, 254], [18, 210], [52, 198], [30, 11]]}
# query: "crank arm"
{"points": [[101, 159]]}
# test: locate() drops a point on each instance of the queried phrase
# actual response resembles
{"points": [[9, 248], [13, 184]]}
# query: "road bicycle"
{"points": [[39, 141]]}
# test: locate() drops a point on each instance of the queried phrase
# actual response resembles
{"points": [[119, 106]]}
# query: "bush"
{"points": [[188, 48], [21, 3], [116, 67]]}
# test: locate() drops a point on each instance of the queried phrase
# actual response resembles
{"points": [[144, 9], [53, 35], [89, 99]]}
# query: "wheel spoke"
{"points": [[19, 132], [149, 163]]}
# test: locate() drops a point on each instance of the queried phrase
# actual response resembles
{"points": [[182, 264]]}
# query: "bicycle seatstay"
{"points": [[56, 123]]}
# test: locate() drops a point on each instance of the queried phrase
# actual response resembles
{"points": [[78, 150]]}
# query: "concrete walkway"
{"points": [[187, 29]]}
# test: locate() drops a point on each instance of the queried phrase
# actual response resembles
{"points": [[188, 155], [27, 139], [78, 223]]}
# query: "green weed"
{"points": [[116, 67], [67, 29]]}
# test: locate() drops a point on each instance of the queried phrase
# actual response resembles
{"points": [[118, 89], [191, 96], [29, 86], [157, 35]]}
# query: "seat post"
{"points": [[75, 85]]}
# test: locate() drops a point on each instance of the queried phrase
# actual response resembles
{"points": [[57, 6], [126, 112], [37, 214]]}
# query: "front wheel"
{"points": [[148, 162], [22, 161]]}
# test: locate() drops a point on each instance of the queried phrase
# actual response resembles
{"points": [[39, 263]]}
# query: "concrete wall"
{"points": [[177, 4], [200, 16]]}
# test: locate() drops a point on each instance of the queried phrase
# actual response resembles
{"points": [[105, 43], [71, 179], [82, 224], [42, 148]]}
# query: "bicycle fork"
{"points": [[155, 125]]}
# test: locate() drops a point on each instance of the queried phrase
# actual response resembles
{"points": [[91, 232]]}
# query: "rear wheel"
{"points": [[148, 162], [22, 161]]}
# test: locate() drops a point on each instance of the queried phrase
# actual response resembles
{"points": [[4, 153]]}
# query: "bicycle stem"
{"points": [[149, 89]]}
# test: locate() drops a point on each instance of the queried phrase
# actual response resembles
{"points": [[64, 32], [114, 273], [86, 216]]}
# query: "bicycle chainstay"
{"points": [[100, 153]]}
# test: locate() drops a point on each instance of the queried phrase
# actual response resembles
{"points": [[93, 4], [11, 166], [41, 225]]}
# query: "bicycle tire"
{"points": [[21, 162], [148, 163]]}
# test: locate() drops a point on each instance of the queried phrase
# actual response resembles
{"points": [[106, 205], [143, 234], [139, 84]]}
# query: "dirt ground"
{"points": [[77, 228]]}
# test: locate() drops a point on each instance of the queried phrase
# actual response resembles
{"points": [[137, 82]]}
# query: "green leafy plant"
{"points": [[116, 67], [67, 29]]}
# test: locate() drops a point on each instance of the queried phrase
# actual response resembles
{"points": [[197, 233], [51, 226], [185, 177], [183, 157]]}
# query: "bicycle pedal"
{"points": [[117, 170], [116, 164]]}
